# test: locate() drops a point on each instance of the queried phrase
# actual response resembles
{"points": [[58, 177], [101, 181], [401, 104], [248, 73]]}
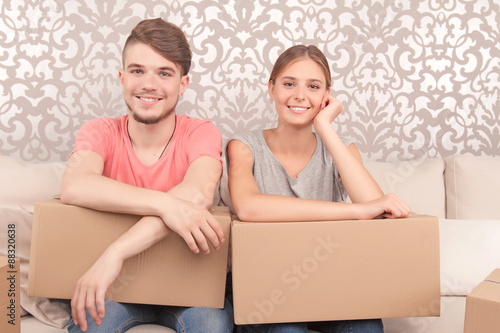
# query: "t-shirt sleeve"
{"points": [[246, 138], [338, 185], [204, 140], [94, 136]]}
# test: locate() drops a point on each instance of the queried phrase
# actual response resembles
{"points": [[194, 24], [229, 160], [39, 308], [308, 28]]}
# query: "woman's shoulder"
{"points": [[248, 137], [346, 140], [248, 134]]}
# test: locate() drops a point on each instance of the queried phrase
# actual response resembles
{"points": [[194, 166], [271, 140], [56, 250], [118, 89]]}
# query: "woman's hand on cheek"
{"points": [[329, 110]]}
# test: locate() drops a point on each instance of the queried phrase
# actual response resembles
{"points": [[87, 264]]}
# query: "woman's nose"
{"points": [[300, 93]]}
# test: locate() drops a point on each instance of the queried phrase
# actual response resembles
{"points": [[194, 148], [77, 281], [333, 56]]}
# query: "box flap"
{"points": [[494, 276]]}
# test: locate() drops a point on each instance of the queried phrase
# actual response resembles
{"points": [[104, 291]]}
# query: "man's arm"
{"points": [[84, 185], [198, 186]]}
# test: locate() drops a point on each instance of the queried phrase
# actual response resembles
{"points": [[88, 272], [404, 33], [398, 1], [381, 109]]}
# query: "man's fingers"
{"points": [[90, 304], [80, 315], [191, 243], [100, 303], [216, 227], [73, 309], [201, 240]]}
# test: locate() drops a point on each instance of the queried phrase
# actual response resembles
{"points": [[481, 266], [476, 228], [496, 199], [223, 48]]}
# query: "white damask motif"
{"points": [[417, 78]]}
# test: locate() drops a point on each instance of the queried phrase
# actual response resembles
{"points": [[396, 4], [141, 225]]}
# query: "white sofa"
{"points": [[462, 191]]}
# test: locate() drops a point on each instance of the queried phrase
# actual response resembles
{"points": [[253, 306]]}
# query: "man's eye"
{"points": [[136, 71], [164, 74]]}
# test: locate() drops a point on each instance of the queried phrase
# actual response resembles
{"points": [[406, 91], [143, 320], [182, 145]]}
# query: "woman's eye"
{"points": [[288, 84], [313, 86]]}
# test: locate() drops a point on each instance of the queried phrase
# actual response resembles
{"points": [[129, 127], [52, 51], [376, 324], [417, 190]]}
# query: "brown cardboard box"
{"points": [[482, 307], [67, 240], [335, 270], [9, 295]]}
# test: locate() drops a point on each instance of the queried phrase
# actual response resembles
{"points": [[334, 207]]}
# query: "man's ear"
{"points": [[120, 76], [183, 84]]}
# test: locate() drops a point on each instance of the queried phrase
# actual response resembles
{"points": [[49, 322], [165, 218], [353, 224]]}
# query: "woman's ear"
{"points": [[270, 88], [328, 91]]}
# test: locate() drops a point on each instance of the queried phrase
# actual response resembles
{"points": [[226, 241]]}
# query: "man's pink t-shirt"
{"points": [[109, 138]]}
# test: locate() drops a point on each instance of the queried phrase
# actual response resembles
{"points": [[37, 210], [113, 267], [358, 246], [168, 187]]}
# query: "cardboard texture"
{"points": [[482, 307], [335, 270], [10, 318], [67, 240]]}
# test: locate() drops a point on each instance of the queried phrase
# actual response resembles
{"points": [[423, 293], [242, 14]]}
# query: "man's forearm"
{"points": [[141, 236], [102, 193]]}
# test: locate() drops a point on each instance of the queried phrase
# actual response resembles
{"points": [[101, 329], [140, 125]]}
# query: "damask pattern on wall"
{"points": [[417, 78]]}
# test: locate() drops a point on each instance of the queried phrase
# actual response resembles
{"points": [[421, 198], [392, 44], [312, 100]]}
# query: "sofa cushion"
{"points": [[26, 183], [419, 183], [51, 312], [469, 251], [472, 187]]}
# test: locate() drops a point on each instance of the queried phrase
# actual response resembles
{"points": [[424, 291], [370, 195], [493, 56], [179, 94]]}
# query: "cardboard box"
{"points": [[67, 240], [335, 270], [482, 307], [10, 318]]}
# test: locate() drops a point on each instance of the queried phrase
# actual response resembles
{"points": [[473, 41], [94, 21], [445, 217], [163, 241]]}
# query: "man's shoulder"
{"points": [[191, 123], [106, 122]]}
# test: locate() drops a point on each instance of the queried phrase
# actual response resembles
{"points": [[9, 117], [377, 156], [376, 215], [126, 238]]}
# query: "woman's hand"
{"points": [[329, 110], [388, 206]]}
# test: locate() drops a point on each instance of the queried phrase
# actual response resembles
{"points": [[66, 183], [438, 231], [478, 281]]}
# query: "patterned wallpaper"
{"points": [[417, 78]]}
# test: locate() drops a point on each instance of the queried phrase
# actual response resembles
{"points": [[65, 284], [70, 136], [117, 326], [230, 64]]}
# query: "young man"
{"points": [[152, 163]]}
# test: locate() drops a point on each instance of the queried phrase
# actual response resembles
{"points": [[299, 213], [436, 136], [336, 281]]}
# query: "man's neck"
{"points": [[150, 140]]}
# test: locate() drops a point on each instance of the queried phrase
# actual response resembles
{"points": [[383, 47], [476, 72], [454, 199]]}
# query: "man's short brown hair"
{"points": [[165, 38]]}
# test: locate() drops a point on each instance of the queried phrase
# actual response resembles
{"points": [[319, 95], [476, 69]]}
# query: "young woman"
{"points": [[290, 173]]}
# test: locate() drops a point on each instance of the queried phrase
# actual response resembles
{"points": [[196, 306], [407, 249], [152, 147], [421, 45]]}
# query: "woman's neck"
{"points": [[291, 140]]}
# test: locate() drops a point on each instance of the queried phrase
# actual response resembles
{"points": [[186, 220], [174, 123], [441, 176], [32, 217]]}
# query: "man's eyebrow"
{"points": [[165, 68], [135, 66]]}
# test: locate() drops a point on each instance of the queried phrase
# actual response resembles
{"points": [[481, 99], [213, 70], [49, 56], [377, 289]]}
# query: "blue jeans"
{"points": [[343, 326], [122, 316]]}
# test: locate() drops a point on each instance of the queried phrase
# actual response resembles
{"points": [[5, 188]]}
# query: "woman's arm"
{"points": [[251, 205], [357, 181]]}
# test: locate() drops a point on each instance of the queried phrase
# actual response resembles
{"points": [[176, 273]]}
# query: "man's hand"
{"points": [[91, 289], [194, 224]]}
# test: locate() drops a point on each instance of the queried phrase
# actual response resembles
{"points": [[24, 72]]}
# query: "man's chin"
{"points": [[151, 120], [146, 121]]}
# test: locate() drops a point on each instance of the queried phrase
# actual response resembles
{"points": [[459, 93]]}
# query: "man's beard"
{"points": [[150, 121]]}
